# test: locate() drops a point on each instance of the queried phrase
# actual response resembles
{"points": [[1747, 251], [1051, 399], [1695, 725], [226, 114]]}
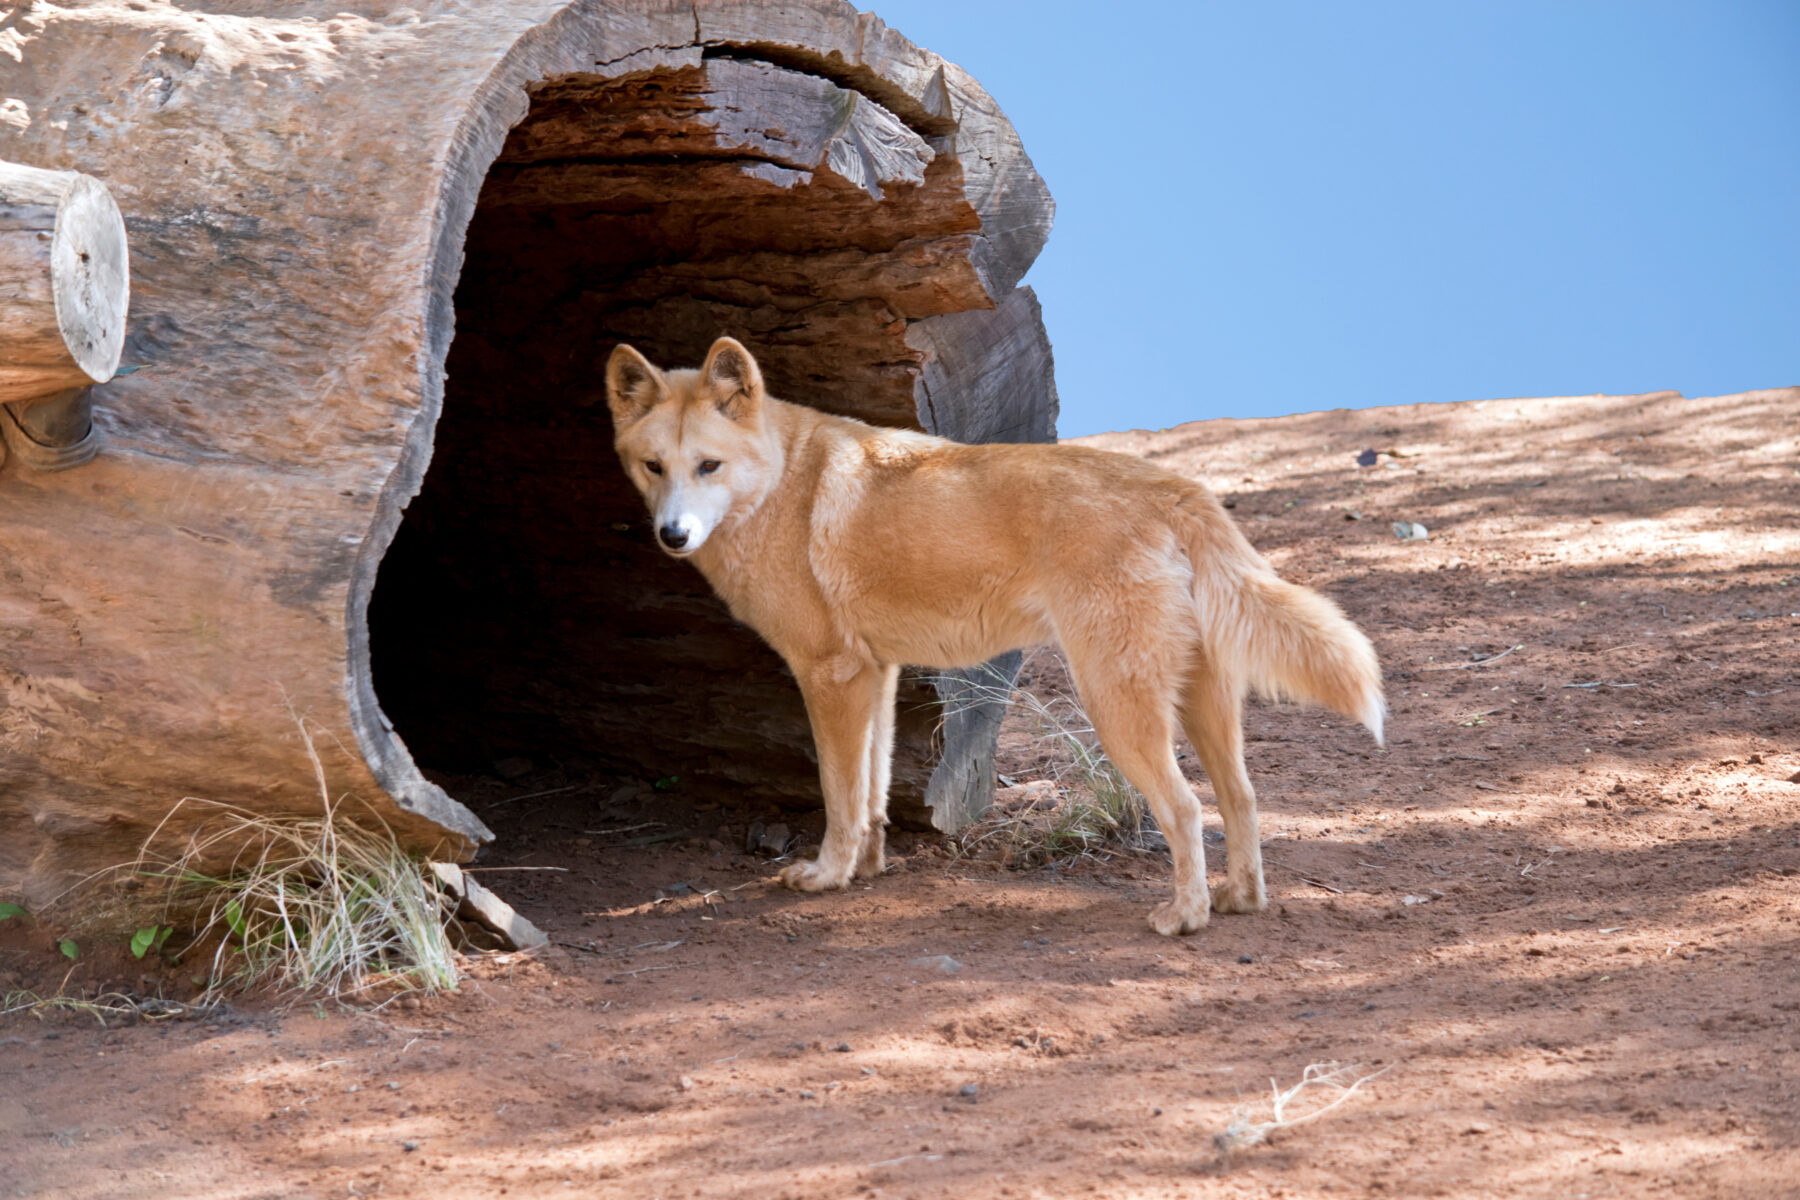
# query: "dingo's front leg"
{"points": [[843, 699], [872, 859]]}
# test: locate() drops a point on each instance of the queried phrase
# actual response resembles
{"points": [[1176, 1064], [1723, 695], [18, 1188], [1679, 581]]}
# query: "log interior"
{"points": [[523, 609]]}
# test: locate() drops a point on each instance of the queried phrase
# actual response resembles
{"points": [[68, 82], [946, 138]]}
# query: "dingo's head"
{"points": [[692, 441]]}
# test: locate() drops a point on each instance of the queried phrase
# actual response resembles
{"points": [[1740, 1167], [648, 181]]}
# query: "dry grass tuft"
{"points": [[118, 1005], [1089, 805], [323, 904]]}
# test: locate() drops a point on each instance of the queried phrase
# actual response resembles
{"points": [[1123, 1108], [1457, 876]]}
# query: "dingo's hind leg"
{"points": [[1133, 706], [1212, 713]]}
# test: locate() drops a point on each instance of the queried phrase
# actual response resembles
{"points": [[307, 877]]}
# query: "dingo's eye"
{"points": [[652, 466], [708, 466]]}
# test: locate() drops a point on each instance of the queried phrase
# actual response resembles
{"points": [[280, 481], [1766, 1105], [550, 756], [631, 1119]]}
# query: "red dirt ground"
{"points": [[1598, 996]]}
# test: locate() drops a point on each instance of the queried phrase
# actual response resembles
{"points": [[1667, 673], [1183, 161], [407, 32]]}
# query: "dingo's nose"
{"points": [[673, 536]]}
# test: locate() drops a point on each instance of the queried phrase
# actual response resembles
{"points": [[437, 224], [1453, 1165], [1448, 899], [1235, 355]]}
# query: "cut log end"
{"points": [[90, 277], [64, 282]]}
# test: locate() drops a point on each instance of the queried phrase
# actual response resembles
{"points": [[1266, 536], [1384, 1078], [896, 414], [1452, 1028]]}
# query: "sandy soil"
{"points": [[1558, 912]]}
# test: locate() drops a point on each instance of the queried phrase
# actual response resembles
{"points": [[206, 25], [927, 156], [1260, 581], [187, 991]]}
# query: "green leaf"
{"points": [[70, 950], [667, 784], [148, 938], [12, 910], [234, 917]]}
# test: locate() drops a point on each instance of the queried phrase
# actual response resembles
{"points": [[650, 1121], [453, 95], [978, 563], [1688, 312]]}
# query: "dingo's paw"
{"points": [[872, 860], [1240, 896], [811, 877], [1177, 917]]}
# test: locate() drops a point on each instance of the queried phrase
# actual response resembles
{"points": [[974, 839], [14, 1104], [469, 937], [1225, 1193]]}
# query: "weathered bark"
{"points": [[301, 189]]}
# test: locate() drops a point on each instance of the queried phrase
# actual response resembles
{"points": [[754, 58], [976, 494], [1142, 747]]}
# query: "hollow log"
{"points": [[364, 485]]}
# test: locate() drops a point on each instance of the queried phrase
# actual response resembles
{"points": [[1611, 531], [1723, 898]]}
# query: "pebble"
{"points": [[942, 963], [968, 1089]]}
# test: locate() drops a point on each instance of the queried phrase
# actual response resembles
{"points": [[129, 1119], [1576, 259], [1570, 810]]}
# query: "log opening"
{"points": [[523, 611]]}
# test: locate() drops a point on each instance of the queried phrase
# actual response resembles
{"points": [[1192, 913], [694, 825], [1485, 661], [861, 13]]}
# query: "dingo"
{"points": [[853, 550]]}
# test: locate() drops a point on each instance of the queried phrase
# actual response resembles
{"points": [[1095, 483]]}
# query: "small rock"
{"points": [[941, 963], [392, 1086], [771, 840], [969, 1091], [1410, 531], [1026, 795], [808, 1095], [842, 1048], [513, 768], [1245, 958], [685, 1083], [1794, 778], [1367, 458], [409, 1147]]}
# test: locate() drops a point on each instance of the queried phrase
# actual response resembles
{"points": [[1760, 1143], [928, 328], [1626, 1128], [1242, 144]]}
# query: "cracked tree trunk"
{"points": [[375, 241]]}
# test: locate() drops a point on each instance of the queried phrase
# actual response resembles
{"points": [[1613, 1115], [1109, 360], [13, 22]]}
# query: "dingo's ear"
{"points": [[633, 386], [733, 378]]}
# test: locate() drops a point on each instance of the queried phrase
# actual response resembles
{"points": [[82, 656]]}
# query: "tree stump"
{"points": [[64, 288], [364, 481]]}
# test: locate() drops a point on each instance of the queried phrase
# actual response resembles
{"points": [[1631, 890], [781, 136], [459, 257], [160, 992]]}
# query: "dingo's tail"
{"points": [[1290, 643], [1302, 647]]}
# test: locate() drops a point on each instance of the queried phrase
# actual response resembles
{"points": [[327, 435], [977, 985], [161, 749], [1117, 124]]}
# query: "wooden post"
{"points": [[64, 288]]}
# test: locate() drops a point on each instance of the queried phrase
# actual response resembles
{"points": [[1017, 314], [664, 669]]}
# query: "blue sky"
{"points": [[1271, 207]]}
